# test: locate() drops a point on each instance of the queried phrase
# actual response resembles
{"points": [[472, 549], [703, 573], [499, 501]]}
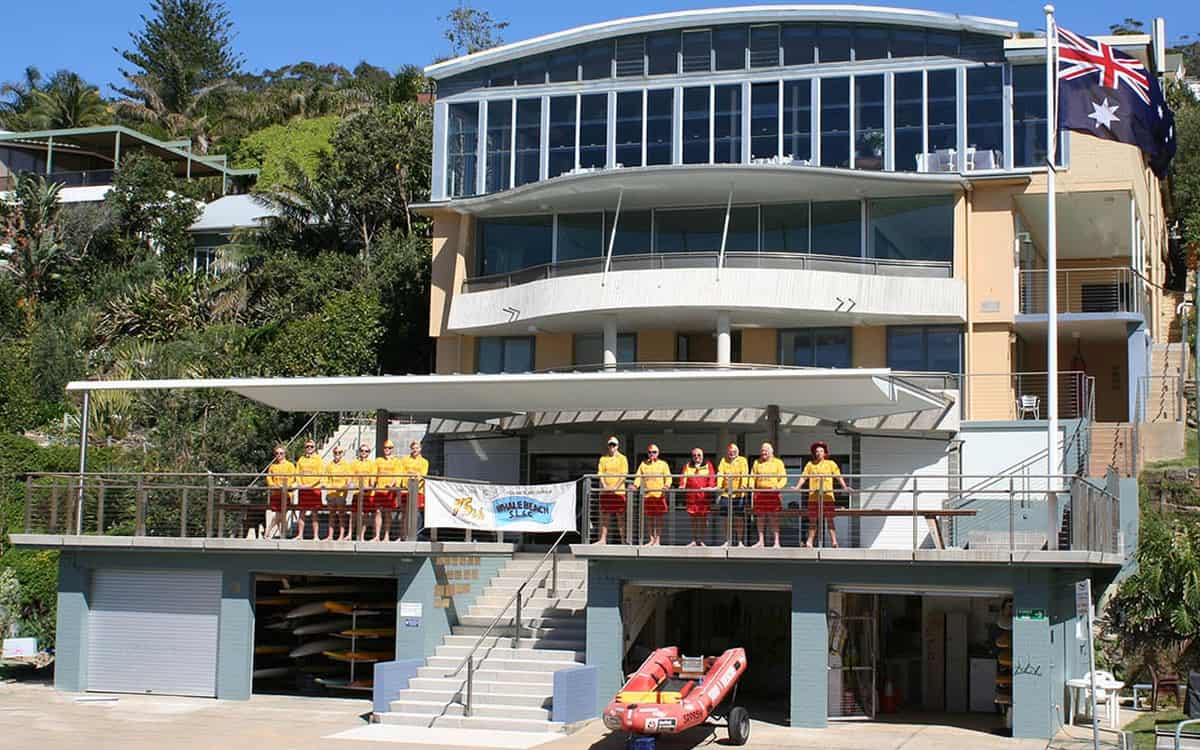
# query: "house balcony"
{"points": [[1090, 299]]}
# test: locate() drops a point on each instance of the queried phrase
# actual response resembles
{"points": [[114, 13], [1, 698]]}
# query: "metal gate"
{"points": [[154, 631], [853, 654]]}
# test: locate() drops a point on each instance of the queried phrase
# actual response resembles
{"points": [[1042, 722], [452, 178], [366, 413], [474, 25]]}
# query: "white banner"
{"points": [[500, 507]]}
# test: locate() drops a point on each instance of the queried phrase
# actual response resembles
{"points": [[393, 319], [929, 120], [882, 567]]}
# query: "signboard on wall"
{"points": [[500, 507]]}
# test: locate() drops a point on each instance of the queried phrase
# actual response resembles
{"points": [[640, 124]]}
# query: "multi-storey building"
{"points": [[793, 224]]}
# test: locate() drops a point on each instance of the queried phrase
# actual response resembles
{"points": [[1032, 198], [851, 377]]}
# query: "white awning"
{"points": [[833, 395]]}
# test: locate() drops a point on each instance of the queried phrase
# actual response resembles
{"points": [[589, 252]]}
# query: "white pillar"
{"points": [[610, 343], [724, 344]]}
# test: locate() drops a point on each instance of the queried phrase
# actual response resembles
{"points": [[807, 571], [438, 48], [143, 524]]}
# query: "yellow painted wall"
{"points": [[990, 387], [452, 236], [1106, 360], [455, 354], [868, 345], [553, 351], [991, 262], [760, 346], [656, 346]]}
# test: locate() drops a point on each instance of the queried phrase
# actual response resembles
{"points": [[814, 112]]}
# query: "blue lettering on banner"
{"points": [[517, 508]]}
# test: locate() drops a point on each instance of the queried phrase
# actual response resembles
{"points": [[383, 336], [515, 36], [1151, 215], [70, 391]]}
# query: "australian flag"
{"points": [[1111, 95]]}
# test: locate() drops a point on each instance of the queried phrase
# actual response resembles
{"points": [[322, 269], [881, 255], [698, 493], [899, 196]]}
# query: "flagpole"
{"points": [[1051, 248]]}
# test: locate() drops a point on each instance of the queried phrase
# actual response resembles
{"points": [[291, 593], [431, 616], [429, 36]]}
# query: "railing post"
{"points": [[28, 503], [221, 515], [470, 685], [183, 514], [585, 486], [729, 511], [915, 502], [1011, 518], [140, 508], [208, 510], [641, 512], [554, 574], [411, 527], [100, 491], [516, 641], [53, 505]]}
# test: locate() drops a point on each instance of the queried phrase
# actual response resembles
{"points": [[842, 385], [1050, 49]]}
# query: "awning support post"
{"points": [[381, 430], [49, 155], [610, 342], [725, 232], [117, 151], [612, 236], [773, 427], [84, 415]]}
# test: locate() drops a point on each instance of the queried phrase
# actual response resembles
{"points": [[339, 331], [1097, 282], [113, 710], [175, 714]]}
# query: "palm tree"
{"points": [[18, 100], [67, 101], [32, 239], [150, 107]]}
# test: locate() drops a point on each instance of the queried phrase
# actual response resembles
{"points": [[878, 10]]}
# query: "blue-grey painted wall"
{"points": [[1033, 661], [1128, 490], [235, 634], [70, 652], [810, 652], [1139, 347]]}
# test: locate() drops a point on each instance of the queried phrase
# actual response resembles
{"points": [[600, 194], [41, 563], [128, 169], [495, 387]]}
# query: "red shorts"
{"points": [[308, 498], [767, 502], [420, 499], [656, 506], [275, 499], [381, 500], [612, 502], [812, 508], [699, 503]]}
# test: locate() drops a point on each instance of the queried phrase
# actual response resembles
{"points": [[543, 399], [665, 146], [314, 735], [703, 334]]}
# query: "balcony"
{"points": [[1086, 291]]}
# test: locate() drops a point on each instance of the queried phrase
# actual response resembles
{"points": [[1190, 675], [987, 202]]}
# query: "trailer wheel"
{"points": [[739, 725]]}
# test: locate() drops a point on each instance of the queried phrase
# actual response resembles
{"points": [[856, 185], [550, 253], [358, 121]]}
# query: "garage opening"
{"points": [[321, 635], [706, 622], [931, 657]]}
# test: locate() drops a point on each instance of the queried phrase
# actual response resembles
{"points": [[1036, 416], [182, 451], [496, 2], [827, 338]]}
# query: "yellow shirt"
{"points": [[822, 474], [657, 475], [733, 475], [338, 475], [363, 472], [418, 466], [615, 464], [769, 475], [388, 471], [311, 470], [281, 474]]}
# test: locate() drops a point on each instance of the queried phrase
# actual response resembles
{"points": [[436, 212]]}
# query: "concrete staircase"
{"points": [[350, 435], [1111, 444], [513, 688]]}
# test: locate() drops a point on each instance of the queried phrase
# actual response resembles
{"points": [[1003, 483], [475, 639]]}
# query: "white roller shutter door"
{"points": [[899, 461], [154, 631]]}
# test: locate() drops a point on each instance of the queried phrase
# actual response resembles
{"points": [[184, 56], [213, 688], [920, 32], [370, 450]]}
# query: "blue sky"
{"points": [[53, 34]]}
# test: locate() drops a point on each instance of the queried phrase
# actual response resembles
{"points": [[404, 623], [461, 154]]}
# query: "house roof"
{"points": [[232, 212]]}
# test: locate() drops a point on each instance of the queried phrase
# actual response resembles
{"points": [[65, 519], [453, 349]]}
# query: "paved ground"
{"points": [[37, 717]]}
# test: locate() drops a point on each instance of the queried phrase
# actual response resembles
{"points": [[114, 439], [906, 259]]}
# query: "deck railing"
{"points": [[1085, 290]]}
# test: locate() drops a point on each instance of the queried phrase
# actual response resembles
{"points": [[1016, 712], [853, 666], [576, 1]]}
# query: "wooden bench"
{"points": [[931, 515]]}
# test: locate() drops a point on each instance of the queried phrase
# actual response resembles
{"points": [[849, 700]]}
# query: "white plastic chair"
{"points": [[1029, 405]]}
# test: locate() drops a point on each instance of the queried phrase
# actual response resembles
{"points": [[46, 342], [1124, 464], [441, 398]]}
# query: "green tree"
{"points": [[1127, 27], [1184, 182], [300, 141], [18, 99], [67, 101], [29, 226], [152, 211], [342, 338], [470, 30]]}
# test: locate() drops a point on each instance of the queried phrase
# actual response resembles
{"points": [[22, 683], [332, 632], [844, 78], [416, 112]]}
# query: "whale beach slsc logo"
{"points": [[518, 508]]}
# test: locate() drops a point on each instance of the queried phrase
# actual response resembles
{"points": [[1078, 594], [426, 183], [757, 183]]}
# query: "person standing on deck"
{"points": [[769, 476], [699, 480], [733, 477], [363, 472], [820, 473], [310, 471], [413, 465], [338, 476], [613, 469], [657, 476], [281, 477], [388, 478]]}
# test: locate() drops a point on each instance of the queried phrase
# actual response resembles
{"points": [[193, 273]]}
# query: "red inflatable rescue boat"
{"points": [[670, 694]]}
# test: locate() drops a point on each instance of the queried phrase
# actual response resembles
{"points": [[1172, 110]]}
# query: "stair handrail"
{"points": [[469, 660]]}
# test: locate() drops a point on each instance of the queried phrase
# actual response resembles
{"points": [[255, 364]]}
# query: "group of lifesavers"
{"points": [[378, 485], [731, 484]]}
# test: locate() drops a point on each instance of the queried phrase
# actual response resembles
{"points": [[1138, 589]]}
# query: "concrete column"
{"points": [[810, 654], [381, 430], [772, 429], [1034, 699], [235, 636], [605, 634], [724, 342], [70, 658], [610, 343]]}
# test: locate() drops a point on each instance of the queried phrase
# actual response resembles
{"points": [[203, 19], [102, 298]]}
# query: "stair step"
{"points": [[576, 599], [506, 651], [498, 662], [536, 644], [451, 685], [512, 583], [457, 693], [527, 611], [480, 709], [488, 674], [576, 623], [574, 631], [471, 722]]}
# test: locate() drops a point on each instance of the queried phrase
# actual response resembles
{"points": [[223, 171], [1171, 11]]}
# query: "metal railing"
{"points": [[999, 513], [82, 178], [469, 660], [1085, 290], [673, 261], [1159, 398], [1012, 395]]}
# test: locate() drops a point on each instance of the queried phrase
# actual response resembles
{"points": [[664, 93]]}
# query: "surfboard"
{"points": [[307, 610], [272, 601], [343, 588], [368, 632], [324, 626], [262, 674], [359, 656], [1004, 640], [315, 647], [269, 649], [346, 608]]}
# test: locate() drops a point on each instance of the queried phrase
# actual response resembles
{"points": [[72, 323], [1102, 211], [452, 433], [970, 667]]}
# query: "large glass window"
{"points": [[764, 120], [662, 53], [798, 41], [562, 135], [835, 122], [697, 51], [660, 132], [764, 46], [909, 114], [815, 347], [695, 125], [511, 243], [629, 129], [501, 75], [729, 47], [462, 144], [596, 61], [942, 43], [564, 65], [785, 228], [942, 108], [497, 354], [870, 43], [700, 229], [797, 120], [837, 228], [908, 43], [868, 122], [833, 43], [917, 228], [580, 236], [727, 127], [1029, 115], [589, 349], [531, 71], [499, 145], [633, 232], [593, 130], [528, 141], [985, 117], [631, 56], [924, 348]]}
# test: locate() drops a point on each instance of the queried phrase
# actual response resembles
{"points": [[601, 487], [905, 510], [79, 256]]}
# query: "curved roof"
{"points": [[713, 16]]}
